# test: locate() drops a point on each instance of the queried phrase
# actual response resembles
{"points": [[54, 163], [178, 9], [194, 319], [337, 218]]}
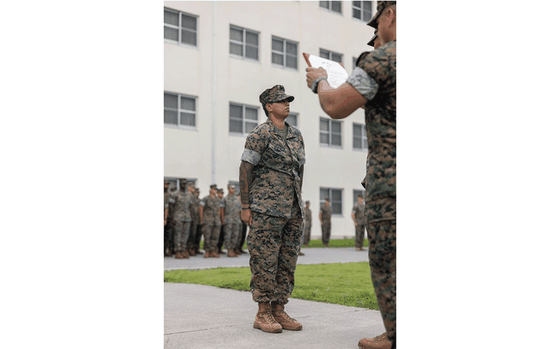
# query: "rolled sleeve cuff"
{"points": [[363, 83], [251, 157]]}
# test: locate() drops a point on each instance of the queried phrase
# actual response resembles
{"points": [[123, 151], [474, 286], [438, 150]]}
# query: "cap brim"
{"points": [[371, 22], [370, 43]]}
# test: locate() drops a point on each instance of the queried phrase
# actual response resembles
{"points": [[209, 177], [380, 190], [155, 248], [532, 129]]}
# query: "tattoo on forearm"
{"points": [[245, 180]]}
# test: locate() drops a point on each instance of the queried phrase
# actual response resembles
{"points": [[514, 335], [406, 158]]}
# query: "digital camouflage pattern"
{"points": [[273, 244], [359, 213], [326, 213], [211, 222], [232, 220], [195, 214], [182, 202], [211, 211], [276, 180], [307, 214], [382, 235], [381, 120], [375, 77]]}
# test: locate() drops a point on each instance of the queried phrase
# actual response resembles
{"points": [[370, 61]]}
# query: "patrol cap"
{"points": [[307, 202], [220, 190], [165, 181], [231, 186], [213, 186], [274, 94], [381, 5]]}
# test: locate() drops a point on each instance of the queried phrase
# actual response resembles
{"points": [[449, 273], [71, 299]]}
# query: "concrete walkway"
{"points": [[198, 316]]}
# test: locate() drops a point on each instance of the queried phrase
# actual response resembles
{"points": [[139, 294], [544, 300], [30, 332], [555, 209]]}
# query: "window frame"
{"points": [[179, 110], [180, 28], [330, 7], [330, 132], [244, 120], [284, 53], [296, 115], [330, 196], [363, 137], [330, 54], [362, 11], [244, 43]]}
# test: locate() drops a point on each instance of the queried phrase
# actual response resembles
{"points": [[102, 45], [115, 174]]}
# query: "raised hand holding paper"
{"points": [[337, 75]]}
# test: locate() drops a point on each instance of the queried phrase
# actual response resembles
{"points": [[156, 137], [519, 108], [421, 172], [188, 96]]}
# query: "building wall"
{"points": [[188, 71]]}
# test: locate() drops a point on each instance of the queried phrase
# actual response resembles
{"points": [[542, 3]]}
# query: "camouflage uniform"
{"points": [[211, 222], [194, 237], [326, 213], [375, 78], [359, 215], [232, 221], [276, 204], [306, 226], [181, 218], [168, 228]]}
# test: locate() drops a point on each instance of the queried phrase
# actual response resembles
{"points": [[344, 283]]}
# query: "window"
{"points": [[333, 56], [334, 6], [243, 42], [179, 110], [242, 118], [359, 135], [359, 192], [179, 27], [292, 119], [284, 52], [335, 196], [330, 132], [362, 10]]}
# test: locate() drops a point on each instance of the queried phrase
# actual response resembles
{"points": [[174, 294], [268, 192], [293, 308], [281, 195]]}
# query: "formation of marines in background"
{"points": [[187, 218]]}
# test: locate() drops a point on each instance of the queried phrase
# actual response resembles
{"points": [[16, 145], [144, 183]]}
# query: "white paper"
{"points": [[337, 75]]}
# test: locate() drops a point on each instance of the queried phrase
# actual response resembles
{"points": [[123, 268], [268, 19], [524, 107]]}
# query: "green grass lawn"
{"points": [[338, 283]]}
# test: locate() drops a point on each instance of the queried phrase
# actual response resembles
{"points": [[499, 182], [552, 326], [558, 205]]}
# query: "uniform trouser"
{"points": [[211, 235], [326, 232], [231, 235], [182, 230], [221, 238], [273, 247], [168, 237], [198, 236], [382, 235], [360, 228], [306, 233], [242, 235], [191, 242]]}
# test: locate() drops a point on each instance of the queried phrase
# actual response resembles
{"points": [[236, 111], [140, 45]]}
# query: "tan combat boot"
{"points": [[178, 255], [207, 254], [379, 342], [230, 253], [186, 254], [284, 319], [265, 321]]}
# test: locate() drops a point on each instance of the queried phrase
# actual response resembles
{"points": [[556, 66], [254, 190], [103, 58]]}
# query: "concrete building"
{"points": [[220, 56]]}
